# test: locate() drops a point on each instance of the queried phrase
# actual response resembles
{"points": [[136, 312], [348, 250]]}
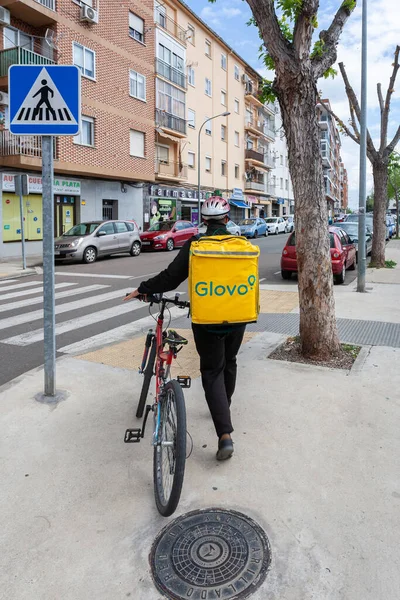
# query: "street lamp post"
{"points": [[363, 156], [224, 114]]}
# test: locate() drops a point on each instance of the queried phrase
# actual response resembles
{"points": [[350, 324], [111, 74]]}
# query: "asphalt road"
{"points": [[89, 303]]}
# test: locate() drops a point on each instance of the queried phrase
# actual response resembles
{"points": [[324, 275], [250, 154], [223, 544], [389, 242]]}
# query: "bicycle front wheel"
{"points": [[148, 374], [170, 451]]}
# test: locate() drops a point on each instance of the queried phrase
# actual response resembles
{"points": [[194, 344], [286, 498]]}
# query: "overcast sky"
{"points": [[228, 18]]}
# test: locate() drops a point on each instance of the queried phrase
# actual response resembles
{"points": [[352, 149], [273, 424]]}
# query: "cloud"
{"points": [[215, 15]]}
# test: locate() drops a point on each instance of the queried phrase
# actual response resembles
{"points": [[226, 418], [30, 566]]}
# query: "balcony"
{"points": [[270, 189], [252, 94], [34, 12], [255, 185], [174, 125], [171, 26], [170, 170], [326, 159], [323, 121], [254, 155], [22, 150], [19, 56], [170, 73], [259, 128]]}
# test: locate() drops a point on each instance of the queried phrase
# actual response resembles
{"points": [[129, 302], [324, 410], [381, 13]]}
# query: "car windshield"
{"points": [[350, 228], [247, 222], [292, 240], [82, 229], [163, 226], [271, 220]]}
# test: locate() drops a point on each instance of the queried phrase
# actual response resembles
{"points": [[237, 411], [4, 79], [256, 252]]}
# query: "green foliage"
{"points": [[370, 203], [394, 176], [291, 9], [349, 4], [331, 72], [266, 92]]}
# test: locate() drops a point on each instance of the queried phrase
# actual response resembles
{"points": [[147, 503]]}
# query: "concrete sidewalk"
{"points": [[316, 464], [12, 267]]}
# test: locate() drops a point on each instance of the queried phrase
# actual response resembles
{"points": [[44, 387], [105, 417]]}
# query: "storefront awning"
{"points": [[239, 203], [167, 136]]}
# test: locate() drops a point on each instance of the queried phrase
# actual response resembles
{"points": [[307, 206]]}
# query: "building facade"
{"points": [[283, 204]]}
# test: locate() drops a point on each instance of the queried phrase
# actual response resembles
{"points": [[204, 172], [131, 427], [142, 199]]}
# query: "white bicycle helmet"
{"points": [[215, 208]]}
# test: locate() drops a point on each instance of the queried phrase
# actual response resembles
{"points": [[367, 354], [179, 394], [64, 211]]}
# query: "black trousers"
{"points": [[218, 368]]}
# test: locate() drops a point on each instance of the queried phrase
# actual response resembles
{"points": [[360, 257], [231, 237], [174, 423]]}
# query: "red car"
{"points": [[343, 255], [167, 235]]}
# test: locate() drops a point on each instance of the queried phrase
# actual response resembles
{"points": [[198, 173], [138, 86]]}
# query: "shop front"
{"points": [[260, 206], [239, 205], [165, 203], [66, 206]]}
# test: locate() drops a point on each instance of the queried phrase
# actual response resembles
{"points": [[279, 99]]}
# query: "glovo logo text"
{"points": [[210, 288]]}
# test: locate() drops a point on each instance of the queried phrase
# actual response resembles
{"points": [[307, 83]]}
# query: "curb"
{"points": [[19, 274]]}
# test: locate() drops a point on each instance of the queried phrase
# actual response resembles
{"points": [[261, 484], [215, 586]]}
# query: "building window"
{"points": [[223, 133], [237, 73], [162, 154], [136, 27], [286, 185], [208, 127], [287, 161], [281, 159], [208, 164], [137, 143], [86, 135], [281, 183], [223, 98], [223, 168], [223, 61], [191, 34], [171, 99], [236, 171], [236, 105], [208, 48], [137, 85], [236, 138], [191, 118], [85, 60], [191, 160], [190, 75], [14, 37], [208, 89]]}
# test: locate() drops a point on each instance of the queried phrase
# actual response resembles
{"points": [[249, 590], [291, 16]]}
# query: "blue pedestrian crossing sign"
{"points": [[44, 100]]}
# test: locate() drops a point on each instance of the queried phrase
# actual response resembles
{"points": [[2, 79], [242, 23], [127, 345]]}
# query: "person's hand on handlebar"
{"points": [[132, 295]]}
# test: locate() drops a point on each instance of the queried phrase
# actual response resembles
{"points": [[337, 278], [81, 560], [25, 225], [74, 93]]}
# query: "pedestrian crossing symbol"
{"points": [[44, 100]]}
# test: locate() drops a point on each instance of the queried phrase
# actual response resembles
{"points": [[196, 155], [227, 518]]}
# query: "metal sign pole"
{"points": [[18, 189], [362, 259], [48, 267]]}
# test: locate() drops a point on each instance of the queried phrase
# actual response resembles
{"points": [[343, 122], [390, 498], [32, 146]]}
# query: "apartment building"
{"points": [[198, 79], [283, 200], [344, 188], [334, 171], [101, 172]]}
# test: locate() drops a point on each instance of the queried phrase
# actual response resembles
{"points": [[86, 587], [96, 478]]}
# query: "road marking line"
{"points": [[263, 279], [20, 285], [100, 276], [31, 337], [37, 290], [277, 273], [118, 334], [62, 308], [57, 296]]}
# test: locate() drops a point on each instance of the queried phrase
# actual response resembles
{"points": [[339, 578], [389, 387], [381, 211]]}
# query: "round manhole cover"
{"points": [[209, 555]]}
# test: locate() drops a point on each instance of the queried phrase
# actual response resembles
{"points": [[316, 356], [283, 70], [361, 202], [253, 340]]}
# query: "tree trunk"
{"points": [[297, 96], [397, 213], [380, 173]]}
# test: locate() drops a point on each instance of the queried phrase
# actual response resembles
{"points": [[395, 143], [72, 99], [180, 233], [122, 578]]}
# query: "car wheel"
{"points": [[341, 277], [276, 231], [135, 250], [170, 245], [266, 233], [286, 274], [89, 255], [255, 235]]}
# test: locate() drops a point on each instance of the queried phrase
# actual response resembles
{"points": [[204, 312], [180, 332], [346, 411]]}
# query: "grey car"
{"points": [[351, 228], [89, 240]]}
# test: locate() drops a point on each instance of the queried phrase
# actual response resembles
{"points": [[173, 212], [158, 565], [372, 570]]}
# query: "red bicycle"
{"points": [[169, 433]]}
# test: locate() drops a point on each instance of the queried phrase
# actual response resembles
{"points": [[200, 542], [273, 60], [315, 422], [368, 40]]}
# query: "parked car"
{"points": [[289, 224], [391, 225], [253, 227], [369, 220], [87, 241], [233, 228], [276, 225], [343, 255], [167, 235], [352, 231]]}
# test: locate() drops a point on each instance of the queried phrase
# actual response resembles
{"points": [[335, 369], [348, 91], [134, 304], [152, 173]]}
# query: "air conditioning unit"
{"points": [[4, 16], [88, 14], [4, 98], [244, 78]]}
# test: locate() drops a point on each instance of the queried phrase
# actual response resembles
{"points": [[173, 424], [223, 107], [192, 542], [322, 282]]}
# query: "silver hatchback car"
{"points": [[87, 241]]}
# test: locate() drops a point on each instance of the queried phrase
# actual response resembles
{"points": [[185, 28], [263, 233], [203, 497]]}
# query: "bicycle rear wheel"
{"points": [[148, 374], [170, 451]]}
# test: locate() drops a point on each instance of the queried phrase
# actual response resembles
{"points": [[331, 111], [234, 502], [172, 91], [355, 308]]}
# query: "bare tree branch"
{"points": [[330, 37], [385, 115], [276, 43], [353, 120], [381, 104], [304, 28], [393, 143]]}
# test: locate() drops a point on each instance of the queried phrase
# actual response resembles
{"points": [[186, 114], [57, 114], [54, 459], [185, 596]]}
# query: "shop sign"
{"points": [[280, 201], [176, 193], [162, 210], [61, 186], [251, 199]]}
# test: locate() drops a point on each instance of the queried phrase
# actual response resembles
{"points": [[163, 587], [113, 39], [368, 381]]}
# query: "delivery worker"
{"points": [[217, 345]]}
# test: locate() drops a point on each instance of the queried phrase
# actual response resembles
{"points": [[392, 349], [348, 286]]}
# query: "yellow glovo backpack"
{"points": [[223, 280]]}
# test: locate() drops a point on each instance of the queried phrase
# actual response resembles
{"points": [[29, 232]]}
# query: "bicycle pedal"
{"points": [[132, 436], [184, 381]]}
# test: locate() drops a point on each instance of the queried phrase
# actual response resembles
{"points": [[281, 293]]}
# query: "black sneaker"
{"points": [[225, 449]]}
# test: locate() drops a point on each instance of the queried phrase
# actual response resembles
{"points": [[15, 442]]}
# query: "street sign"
{"points": [[44, 100]]}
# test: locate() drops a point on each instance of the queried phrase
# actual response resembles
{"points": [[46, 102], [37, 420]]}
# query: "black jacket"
{"points": [[178, 270]]}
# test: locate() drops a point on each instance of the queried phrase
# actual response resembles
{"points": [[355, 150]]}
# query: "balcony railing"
{"points": [[259, 126], [164, 119], [254, 155], [255, 185], [22, 145], [171, 26], [170, 73], [21, 56], [171, 169], [270, 189], [51, 4]]}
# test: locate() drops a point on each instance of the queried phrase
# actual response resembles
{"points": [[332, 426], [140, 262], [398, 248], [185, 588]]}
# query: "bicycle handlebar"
{"points": [[160, 299]]}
